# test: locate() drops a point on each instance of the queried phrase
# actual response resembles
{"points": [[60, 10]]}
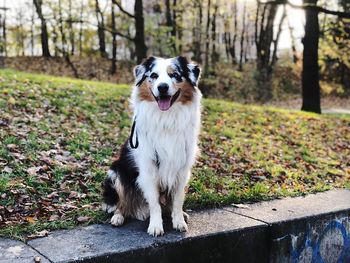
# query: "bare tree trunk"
{"points": [[231, 41], [81, 29], [32, 23], [275, 41], [65, 52], [179, 26], [55, 35], [139, 40], [71, 29], [263, 39], [233, 45], [294, 49], [247, 46], [2, 57], [310, 74], [61, 27], [4, 30], [197, 39], [214, 54], [1, 45], [20, 36], [44, 33], [114, 42], [242, 36], [171, 23], [226, 40], [207, 41], [100, 30]]}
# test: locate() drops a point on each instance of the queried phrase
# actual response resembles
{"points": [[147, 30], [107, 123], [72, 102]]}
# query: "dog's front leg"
{"points": [[148, 183], [177, 213]]}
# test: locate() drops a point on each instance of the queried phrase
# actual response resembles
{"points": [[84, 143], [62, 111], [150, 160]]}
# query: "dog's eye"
{"points": [[154, 76], [176, 76]]}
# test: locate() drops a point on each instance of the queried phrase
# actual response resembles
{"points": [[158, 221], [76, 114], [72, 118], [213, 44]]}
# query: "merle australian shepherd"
{"points": [[155, 163]]}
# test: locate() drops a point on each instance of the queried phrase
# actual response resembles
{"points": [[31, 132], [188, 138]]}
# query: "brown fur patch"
{"points": [[145, 92], [186, 94]]}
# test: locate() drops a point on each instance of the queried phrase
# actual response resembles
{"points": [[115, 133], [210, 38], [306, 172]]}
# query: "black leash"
{"points": [[132, 145]]}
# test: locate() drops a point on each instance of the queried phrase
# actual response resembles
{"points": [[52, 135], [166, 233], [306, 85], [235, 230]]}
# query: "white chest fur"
{"points": [[170, 137]]}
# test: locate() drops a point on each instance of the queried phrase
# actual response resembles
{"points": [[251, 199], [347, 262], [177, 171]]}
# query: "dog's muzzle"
{"points": [[164, 100]]}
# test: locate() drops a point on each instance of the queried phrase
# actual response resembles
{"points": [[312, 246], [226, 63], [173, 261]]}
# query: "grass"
{"points": [[58, 136]]}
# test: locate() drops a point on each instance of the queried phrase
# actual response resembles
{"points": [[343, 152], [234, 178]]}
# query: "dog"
{"points": [[154, 164]]}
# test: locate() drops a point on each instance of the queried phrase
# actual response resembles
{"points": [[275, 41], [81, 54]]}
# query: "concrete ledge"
{"points": [[315, 228], [17, 251]]}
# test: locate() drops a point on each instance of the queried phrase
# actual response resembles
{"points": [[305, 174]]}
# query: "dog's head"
{"points": [[166, 81]]}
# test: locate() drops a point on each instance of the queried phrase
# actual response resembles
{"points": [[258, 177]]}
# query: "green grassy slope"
{"points": [[58, 136]]}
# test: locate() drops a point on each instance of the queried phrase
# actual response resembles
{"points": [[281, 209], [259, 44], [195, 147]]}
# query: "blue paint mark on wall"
{"points": [[315, 246]]}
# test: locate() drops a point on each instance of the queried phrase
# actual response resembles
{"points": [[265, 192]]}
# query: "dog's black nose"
{"points": [[163, 88]]}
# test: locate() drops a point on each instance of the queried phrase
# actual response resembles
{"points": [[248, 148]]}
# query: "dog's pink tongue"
{"points": [[164, 104]]}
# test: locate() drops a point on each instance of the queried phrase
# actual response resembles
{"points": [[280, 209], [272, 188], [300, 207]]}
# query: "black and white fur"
{"points": [[166, 105]]}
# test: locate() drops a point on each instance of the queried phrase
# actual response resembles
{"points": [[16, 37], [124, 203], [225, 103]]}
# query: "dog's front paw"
{"points": [[179, 223], [117, 219], [155, 230]]}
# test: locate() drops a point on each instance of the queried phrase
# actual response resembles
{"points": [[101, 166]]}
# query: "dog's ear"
{"points": [[139, 73], [194, 73], [190, 70], [140, 70]]}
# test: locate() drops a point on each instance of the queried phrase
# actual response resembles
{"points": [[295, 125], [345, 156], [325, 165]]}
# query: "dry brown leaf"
{"points": [[30, 219], [83, 219], [54, 218], [241, 206], [32, 170], [42, 233], [7, 170], [11, 101]]}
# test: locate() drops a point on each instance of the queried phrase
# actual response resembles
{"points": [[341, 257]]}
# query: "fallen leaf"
{"points": [[241, 206], [7, 170], [32, 170], [11, 146], [42, 233], [73, 194], [11, 101], [53, 218], [83, 219], [30, 220]]}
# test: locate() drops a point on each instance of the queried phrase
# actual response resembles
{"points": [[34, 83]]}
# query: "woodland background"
{"points": [[250, 50]]}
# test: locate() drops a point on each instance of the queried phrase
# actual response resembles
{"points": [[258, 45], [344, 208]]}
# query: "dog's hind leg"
{"points": [[113, 194], [142, 213], [110, 194]]}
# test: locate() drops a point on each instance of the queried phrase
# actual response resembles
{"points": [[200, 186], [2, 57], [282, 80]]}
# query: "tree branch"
{"points": [[118, 33], [320, 9], [122, 9], [315, 8], [109, 30]]}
